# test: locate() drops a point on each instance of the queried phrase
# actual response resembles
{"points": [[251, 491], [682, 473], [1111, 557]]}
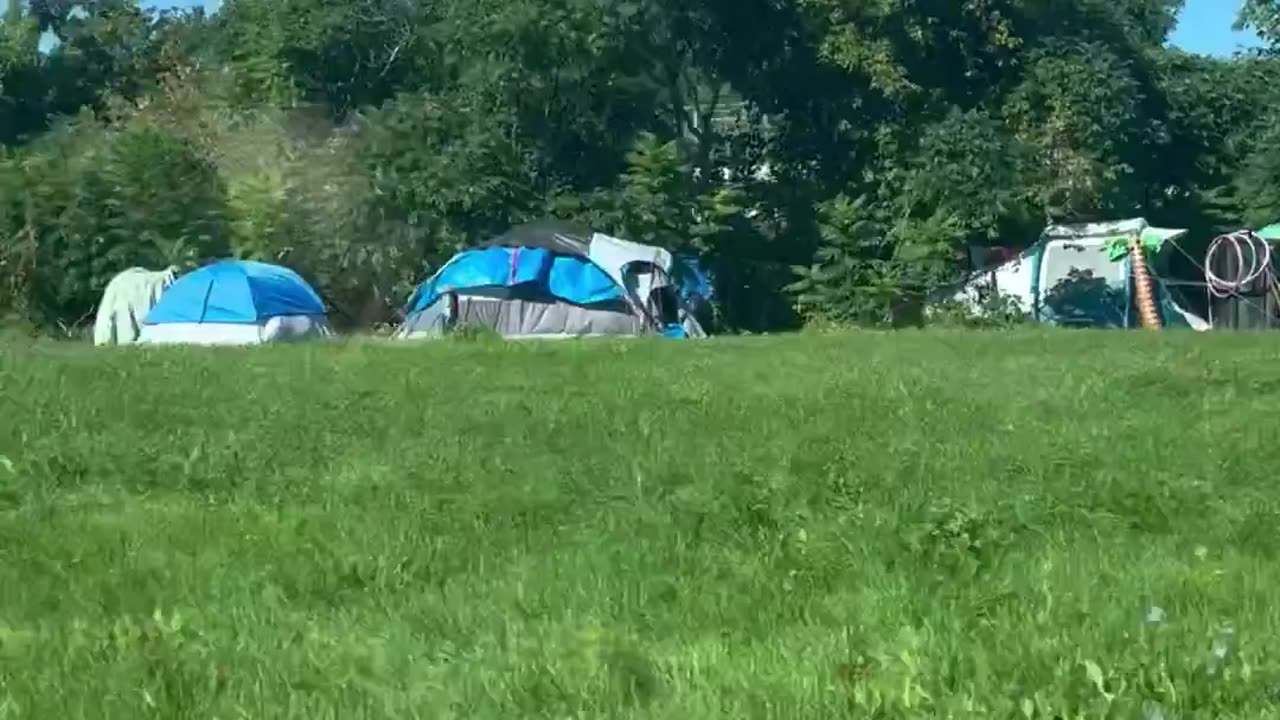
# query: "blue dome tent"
{"points": [[236, 302], [542, 280]]}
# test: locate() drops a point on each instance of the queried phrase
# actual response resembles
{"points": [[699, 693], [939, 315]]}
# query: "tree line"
{"points": [[826, 159]]}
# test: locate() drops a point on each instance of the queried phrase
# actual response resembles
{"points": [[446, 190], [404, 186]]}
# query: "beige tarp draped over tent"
{"points": [[126, 301]]}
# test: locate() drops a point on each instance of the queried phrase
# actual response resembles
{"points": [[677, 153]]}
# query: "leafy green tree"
{"points": [[343, 54], [364, 142], [23, 87], [96, 201], [448, 165], [1263, 17]]}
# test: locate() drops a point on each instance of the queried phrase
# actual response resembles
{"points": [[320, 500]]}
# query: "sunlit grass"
{"points": [[901, 526]]}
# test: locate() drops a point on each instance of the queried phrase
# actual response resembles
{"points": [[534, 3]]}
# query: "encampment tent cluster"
{"points": [[536, 281], [547, 280], [1083, 275]]}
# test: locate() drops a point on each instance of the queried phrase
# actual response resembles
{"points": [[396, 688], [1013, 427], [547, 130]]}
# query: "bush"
{"points": [[89, 201]]}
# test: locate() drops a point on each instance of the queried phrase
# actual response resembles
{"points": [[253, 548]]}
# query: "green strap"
{"points": [[1118, 247]]}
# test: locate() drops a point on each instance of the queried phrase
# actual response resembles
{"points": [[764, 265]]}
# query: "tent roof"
{"points": [[557, 259], [1105, 230], [1096, 233], [1270, 232], [553, 235], [536, 270], [235, 291]]}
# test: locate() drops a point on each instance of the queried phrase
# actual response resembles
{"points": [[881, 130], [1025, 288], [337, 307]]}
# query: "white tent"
{"points": [[1072, 277]]}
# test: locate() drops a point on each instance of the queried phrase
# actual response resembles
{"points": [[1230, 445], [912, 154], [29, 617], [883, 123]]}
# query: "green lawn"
{"points": [[921, 525]]}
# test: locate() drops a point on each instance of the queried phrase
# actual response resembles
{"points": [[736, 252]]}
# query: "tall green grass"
{"points": [[1025, 525]]}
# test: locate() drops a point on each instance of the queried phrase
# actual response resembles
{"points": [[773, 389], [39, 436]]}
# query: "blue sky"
{"points": [[1205, 25], [209, 4]]}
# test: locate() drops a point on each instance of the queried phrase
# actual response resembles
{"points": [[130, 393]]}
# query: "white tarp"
{"points": [[613, 255], [1012, 280], [125, 303], [1061, 249], [284, 328]]}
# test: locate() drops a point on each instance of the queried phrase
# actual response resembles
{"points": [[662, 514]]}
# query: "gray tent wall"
{"points": [[521, 317]]}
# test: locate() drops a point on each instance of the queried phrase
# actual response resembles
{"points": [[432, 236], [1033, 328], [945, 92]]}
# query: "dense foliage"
{"points": [[830, 160]]}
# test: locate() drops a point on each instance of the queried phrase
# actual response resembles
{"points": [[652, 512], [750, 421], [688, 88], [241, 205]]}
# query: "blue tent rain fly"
{"points": [[235, 302], [541, 281]]}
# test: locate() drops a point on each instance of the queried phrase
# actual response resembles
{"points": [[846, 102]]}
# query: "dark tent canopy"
{"points": [[553, 235]]}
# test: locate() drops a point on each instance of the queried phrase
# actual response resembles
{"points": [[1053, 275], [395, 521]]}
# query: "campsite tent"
{"points": [[127, 299], [1072, 276], [236, 302], [547, 281]]}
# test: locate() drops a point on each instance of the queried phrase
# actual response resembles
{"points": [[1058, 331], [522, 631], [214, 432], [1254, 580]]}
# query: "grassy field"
{"points": [[1040, 525]]}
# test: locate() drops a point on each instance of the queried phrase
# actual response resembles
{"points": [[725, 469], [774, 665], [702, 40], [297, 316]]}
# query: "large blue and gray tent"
{"points": [[545, 280], [236, 302], [1079, 275]]}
